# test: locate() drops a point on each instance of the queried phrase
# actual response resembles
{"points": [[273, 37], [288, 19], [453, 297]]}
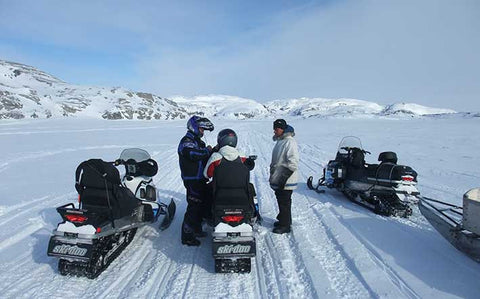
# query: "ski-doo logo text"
{"points": [[227, 249], [70, 250]]}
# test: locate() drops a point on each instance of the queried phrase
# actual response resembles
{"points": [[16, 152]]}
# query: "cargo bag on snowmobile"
{"points": [[388, 173], [99, 188]]}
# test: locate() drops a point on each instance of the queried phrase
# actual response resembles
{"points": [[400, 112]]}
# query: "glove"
{"points": [[284, 174], [250, 163]]}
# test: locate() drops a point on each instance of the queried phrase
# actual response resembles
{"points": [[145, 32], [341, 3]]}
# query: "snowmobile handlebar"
{"points": [[118, 162], [348, 149]]}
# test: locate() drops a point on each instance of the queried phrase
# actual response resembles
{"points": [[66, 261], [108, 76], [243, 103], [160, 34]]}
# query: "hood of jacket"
{"points": [[289, 131], [228, 152]]}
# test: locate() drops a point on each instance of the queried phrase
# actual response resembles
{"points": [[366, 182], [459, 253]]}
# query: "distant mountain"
{"points": [[222, 106], [26, 92]]}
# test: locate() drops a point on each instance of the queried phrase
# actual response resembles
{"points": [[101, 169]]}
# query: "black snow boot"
{"points": [[281, 229], [189, 239], [188, 236], [200, 234]]}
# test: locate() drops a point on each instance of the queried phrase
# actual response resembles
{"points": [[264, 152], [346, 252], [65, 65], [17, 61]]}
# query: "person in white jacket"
{"points": [[284, 173]]}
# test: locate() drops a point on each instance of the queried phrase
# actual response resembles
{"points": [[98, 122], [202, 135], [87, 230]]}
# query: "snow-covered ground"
{"points": [[337, 249]]}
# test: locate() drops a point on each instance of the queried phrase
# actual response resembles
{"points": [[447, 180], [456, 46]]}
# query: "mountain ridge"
{"points": [[26, 92]]}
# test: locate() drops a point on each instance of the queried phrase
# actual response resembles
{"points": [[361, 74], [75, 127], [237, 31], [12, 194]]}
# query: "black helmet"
{"points": [[227, 137]]}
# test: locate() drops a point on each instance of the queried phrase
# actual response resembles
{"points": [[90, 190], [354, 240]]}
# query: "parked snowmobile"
{"points": [[385, 188], [459, 225], [94, 234], [234, 216]]}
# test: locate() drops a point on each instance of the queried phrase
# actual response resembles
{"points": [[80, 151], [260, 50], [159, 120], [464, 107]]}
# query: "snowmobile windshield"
{"points": [[349, 142], [136, 154]]}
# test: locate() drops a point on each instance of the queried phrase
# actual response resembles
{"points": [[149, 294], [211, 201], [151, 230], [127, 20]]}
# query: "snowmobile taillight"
{"points": [[98, 230], [407, 178], [233, 218], [76, 218]]}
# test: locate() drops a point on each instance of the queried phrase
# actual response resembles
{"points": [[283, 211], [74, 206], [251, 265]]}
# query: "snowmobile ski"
{"points": [[315, 188], [169, 212]]}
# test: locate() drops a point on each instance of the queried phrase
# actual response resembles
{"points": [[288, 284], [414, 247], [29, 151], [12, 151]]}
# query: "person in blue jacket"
{"points": [[193, 155]]}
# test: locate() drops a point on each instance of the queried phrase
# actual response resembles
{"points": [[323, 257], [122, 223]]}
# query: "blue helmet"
{"points": [[195, 122]]}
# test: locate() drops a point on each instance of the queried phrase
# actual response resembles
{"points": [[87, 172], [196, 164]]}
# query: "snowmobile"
{"points": [[234, 213], [459, 225], [386, 188], [110, 211]]}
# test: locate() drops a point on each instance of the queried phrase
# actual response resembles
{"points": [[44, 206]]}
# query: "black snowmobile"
{"points": [[386, 188], [94, 234], [459, 225], [234, 212]]}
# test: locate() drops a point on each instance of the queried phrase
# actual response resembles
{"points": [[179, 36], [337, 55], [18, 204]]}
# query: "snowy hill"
{"points": [[26, 92], [223, 106]]}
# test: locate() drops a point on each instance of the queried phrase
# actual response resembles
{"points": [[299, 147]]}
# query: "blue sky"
{"points": [[424, 52]]}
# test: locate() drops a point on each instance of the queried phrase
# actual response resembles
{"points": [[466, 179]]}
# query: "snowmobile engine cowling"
{"points": [[471, 210]]}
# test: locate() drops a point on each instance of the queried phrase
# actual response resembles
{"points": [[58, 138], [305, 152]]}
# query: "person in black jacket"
{"points": [[193, 155]]}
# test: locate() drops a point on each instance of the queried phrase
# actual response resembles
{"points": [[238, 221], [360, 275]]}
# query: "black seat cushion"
{"points": [[388, 157]]}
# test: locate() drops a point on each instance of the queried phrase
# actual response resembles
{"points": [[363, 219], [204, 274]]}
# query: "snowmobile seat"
{"points": [[388, 157], [98, 184], [232, 189]]}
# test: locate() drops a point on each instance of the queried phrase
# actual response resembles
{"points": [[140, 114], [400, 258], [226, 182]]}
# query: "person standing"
{"points": [[193, 155], [283, 173]]}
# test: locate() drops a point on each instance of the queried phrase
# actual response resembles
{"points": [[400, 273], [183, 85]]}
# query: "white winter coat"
{"points": [[284, 160]]}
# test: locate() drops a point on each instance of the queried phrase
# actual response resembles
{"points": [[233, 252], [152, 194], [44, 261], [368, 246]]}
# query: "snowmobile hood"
{"points": [[289, 131]]}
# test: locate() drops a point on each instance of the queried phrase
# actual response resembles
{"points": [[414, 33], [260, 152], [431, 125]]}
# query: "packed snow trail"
{"points": [[336, 249]]}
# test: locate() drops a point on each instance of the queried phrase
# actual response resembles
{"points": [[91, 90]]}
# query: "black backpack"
{"points": [[99, 186]]}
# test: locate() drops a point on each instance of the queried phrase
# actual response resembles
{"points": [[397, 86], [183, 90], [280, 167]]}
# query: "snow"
{"points": [[337, 249]]}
